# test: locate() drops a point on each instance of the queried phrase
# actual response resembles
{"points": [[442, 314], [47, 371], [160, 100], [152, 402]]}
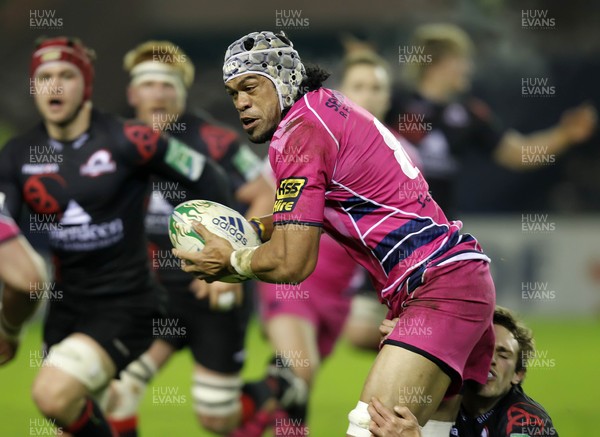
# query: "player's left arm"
{"points": [[525, 151]]}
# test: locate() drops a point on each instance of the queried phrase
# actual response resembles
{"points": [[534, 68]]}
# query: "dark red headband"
{"points": [[68, 50]]}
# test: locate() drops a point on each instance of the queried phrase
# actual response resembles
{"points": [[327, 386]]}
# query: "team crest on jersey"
{"points": [[288, 193], [99, 163], [217, 140], [37, 195], [144, 138]]}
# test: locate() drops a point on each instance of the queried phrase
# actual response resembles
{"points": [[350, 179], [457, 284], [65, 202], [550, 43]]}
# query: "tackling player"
{"points": [[21, 270], [161, 73], [86, 173], [498, 408], [348, 183]]}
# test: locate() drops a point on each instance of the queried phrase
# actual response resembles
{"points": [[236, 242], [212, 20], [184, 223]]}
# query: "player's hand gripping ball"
{"points": [[218, 219]]}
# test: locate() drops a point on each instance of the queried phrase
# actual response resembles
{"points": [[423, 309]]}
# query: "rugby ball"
{"points": [[218, 219]]}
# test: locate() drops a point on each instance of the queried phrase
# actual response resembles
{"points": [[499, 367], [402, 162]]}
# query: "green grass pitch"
{"points": [[565, 380]]}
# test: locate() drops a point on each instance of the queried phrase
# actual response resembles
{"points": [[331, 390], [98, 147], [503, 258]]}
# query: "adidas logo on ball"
{"points": [[233, 226]]}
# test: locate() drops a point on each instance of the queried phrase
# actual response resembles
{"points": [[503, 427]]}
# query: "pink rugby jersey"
{"points": [[337, 166]]}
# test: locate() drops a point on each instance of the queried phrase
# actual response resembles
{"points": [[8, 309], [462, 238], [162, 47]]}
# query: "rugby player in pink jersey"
{"points": [[356, 182]]}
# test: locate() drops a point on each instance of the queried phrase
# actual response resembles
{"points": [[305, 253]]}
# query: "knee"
{"points": [[53, 396], [71, 370], [359, 421], [217, 401]]}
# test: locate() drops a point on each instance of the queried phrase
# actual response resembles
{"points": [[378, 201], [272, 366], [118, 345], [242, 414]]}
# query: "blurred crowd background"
{"points": [[566, 53]]}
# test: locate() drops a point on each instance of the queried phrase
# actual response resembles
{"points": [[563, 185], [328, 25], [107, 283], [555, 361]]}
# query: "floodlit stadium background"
{"points": [[495, 204]]}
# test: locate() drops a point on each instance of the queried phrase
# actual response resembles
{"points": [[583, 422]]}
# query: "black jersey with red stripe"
{"points": [[515, 415], [212, 139], [89, 195]]}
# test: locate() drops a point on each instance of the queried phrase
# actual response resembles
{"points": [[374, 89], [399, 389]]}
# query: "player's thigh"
{"points": [[290, 321], [403, 377], [333, 312], [362, 325], [124, 326], [216, 338], [294, 339]]}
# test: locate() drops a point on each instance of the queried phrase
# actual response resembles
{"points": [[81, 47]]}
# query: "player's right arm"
{"points": [[290, 256]]}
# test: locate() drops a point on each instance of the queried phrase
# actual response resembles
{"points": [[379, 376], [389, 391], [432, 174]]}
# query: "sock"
{"points": [[91, 423], [248, 407], [143, 370], [434, 428], [125, 427], [298, 412], [130, 389], [291, 391], [254, 396]]}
